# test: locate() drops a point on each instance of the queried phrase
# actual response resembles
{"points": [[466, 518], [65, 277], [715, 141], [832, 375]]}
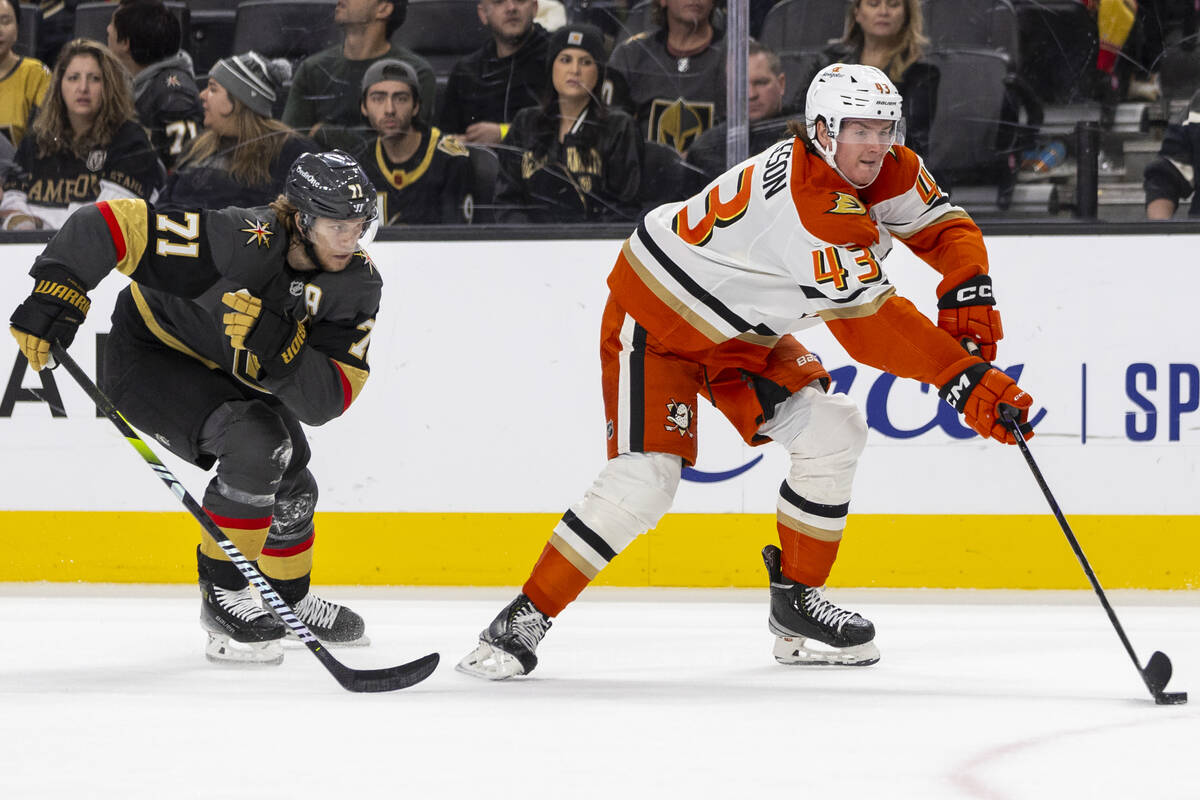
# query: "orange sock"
{"points": [[554, 582], [805, 559]]}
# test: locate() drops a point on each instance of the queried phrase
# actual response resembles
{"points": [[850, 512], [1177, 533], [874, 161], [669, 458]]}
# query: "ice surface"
{"points": [[105, 693]]}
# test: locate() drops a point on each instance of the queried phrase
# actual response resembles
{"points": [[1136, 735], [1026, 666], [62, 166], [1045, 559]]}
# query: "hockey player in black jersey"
{"points": [[238, 325]]}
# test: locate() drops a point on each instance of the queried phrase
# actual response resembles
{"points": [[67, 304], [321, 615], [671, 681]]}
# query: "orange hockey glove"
{"points": [[968, 311], [982, 393]]}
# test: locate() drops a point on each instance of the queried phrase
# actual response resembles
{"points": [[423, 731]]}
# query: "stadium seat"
{"points": [[30, 19], [666, 177], [803, 24], [981, 24], [441, 31], [291, 29], [211, 36], [91, 19], [1059, 45]]}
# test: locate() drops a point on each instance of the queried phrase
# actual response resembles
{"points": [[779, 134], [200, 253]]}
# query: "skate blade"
{"points": [[490, 663], [221, 649], [796, 651], [292, 642]]}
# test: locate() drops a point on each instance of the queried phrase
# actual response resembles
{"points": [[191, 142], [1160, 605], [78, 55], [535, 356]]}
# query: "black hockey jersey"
{"points": [[433, 187], [168, 106], [182, 262]]}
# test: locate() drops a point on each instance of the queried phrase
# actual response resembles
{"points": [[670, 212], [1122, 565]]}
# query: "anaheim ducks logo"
{"points": [[678, 122], [844, 203], [680, 417]]}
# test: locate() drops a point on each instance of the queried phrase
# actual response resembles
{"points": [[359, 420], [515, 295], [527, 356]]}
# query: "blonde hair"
{"points": [[257, 143], [52, 128], [912, 38]]}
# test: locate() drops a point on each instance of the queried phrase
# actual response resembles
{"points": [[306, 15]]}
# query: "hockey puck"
{"points": [[1170, 698]]}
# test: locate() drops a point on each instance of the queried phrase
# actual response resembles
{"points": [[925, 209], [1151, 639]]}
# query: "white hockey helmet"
{"points": [[850, 91]]}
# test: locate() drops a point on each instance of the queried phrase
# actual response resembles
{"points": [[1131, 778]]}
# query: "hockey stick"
{"points": [[1157, 671], [356, 680]]}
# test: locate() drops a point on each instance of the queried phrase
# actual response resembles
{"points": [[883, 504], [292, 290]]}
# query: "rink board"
{"points": [[482, 421]]}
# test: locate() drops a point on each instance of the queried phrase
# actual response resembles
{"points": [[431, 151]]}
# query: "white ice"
{"points": [[105, 693]]}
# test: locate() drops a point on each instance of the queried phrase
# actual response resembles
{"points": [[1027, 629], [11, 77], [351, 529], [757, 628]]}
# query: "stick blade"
{"points": [[1171, 698], [1157, 672], [388, 679]]}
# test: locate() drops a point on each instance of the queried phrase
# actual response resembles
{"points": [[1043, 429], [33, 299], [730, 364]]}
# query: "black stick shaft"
{"points": [[354, 680], [1066, 529]]}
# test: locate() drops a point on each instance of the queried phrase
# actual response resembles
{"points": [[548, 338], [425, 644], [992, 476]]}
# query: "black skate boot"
{"points": [[799, 613], [332, 623], [508, 646], [240, 630]]}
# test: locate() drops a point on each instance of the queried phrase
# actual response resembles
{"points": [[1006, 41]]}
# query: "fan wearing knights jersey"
{"points": [[239, 325], [703, 300]]}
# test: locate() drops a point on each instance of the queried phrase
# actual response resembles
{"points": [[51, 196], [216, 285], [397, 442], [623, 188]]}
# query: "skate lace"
{"points": [[239, 603], [316, 611], [824, 611], [528, 626]]}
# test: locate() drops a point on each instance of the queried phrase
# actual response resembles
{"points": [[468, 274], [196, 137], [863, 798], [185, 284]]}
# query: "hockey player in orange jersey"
{"points": [[703, 300]]}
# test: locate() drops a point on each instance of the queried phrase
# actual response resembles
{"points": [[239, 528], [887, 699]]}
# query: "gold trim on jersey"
{"points": [[159, 333], [399, 178], [130, 215], [855, 312], [569, 553], [820, 534], [357, 377], [286, 568], [949, 215]]}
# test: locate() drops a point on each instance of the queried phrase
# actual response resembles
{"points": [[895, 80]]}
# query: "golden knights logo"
{"points": [[678, 122], [260, 232], [680, 417], [846, 204]]}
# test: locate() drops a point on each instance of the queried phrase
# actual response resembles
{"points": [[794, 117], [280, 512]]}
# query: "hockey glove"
{"points": [[52, 313], [982, 393], [967, 311], [277, 340]]}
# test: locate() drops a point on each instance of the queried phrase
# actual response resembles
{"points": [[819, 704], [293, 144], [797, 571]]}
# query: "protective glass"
{"points": [[870, 132], [343, 235]]}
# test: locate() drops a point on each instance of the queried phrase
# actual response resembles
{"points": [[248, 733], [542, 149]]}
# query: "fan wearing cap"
{"points": [[238, 327], [243, 155], [84, 145], [571, 158], [423, 177]]}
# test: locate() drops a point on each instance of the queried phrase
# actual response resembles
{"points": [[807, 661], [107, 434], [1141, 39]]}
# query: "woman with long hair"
{"points": [[243, 156], [23, 80], [571, 159], [84, 146], [889, 35]]}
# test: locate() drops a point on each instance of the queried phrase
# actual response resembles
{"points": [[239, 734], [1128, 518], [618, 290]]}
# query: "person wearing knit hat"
{"points": [[571, 159], [422, 177], [244, 153]]}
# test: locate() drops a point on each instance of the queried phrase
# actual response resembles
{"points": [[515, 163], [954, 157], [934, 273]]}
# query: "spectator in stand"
{"points": [[243, 155], [673, 78], [423, 177], [1171, 176], [84, 146], [767, 112], [488, 87], [23, 80], [570, 159], [327, 83], [145, 37], [889, 35]]}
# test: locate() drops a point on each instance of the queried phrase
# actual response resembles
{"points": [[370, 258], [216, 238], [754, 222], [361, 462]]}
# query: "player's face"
{"points": [[766, 89], [83, 88], [689, 13], [336, 240], [508, 19], [8, 27], [861, 147], [218, 107], [880, 19], [575, 74], [389, 107]]}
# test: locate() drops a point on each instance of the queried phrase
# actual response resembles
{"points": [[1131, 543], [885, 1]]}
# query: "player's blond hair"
{"points": [[52, 128]]}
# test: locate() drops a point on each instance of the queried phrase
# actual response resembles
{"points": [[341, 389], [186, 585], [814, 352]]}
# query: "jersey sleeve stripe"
{"points": [[127, 224], [853, 312], [352, 380], [240, 524]]}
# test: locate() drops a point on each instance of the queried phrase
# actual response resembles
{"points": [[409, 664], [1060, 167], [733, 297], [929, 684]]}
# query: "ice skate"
{"points": [[811, 630], [333, 624], [508, 647], [240, 630]]}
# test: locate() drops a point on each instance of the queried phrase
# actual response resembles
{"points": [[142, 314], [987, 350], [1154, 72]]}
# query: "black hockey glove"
{"points": [[52, 313], [277, 340]]}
